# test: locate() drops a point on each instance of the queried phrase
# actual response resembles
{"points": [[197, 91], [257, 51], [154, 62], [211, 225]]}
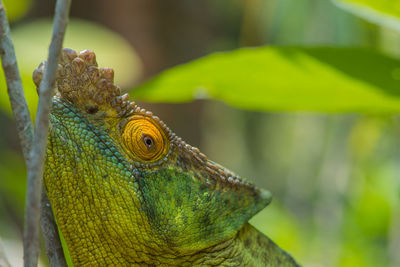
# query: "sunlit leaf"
{"points": [[383, 12], [32, 40], [284, 79], [16, 9]]}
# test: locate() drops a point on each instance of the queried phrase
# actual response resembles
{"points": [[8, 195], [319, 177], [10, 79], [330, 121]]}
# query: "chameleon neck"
{"points": [[248, 248], [252, 248]]}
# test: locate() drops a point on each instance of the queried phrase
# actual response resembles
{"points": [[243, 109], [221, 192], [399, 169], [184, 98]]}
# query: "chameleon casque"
{"points": [[126, 191]]}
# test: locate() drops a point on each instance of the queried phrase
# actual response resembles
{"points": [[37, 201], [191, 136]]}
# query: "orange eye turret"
{"points": [[145, 139]]}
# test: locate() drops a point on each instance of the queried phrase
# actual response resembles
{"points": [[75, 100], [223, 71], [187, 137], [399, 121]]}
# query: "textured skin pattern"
{"points": [[127, 191]]}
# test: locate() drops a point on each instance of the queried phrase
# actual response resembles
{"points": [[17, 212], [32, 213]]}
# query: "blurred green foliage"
{"points": [[388, 7], [13, 188], [384, 12], [285, 79], [16, 9]]}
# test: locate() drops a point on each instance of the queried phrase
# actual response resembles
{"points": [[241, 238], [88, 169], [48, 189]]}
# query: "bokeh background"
{"points": [[335, 178]]}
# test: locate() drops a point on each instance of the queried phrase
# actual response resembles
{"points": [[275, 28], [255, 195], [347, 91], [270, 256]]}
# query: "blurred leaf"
{"points": [[281, 227], [382, 12], [365, 136], [284, 79], [355, 253], [12, 192], [16, 9], [373, 213], [13, 173], [31, 42]]}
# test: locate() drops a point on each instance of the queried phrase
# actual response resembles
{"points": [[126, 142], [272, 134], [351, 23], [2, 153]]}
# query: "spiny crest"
{"points": [[90, 88]]}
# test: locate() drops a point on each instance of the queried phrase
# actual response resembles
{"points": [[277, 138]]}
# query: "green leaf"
{"points": [[382, 12], [16, 9], [285, 79], [32, 40]]}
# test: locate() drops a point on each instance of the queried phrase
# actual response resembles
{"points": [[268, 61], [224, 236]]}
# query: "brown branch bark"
{"points": [[35, 165], [52, 242]]}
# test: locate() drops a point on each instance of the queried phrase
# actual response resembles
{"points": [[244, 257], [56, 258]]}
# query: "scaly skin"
{"points": [[127, 191]]}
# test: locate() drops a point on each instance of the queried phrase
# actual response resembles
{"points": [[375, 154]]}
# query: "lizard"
{"points": [[127, 191]]}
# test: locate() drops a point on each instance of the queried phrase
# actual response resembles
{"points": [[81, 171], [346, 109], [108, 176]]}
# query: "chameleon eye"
{"points": [[145, 139]]}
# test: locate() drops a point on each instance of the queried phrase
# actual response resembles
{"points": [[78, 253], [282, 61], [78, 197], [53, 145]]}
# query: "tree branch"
{"points": [[35, 166], [54, 250], [14, 86]]}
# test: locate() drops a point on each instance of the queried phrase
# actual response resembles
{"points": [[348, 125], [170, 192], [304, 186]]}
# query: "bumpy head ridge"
{"points": [[90, 88]]}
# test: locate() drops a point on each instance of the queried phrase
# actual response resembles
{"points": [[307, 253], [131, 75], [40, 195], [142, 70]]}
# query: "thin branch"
{"points": [[35, 166], [14, 86], [3, 259], [54, 250]]}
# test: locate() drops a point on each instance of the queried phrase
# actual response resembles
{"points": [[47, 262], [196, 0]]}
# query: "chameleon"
{"points": [[127, 191]]}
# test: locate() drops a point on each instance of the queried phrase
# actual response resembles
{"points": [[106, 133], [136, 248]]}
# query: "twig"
{"points": [[3, 259], [35, 166], [14, 86], [54, 250]]}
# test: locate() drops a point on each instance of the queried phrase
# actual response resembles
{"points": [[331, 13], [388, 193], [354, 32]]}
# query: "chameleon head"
{"points": [[116, 175]]}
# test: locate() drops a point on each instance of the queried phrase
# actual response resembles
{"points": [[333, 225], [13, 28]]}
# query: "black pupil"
{"points": [[148, 141]]}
